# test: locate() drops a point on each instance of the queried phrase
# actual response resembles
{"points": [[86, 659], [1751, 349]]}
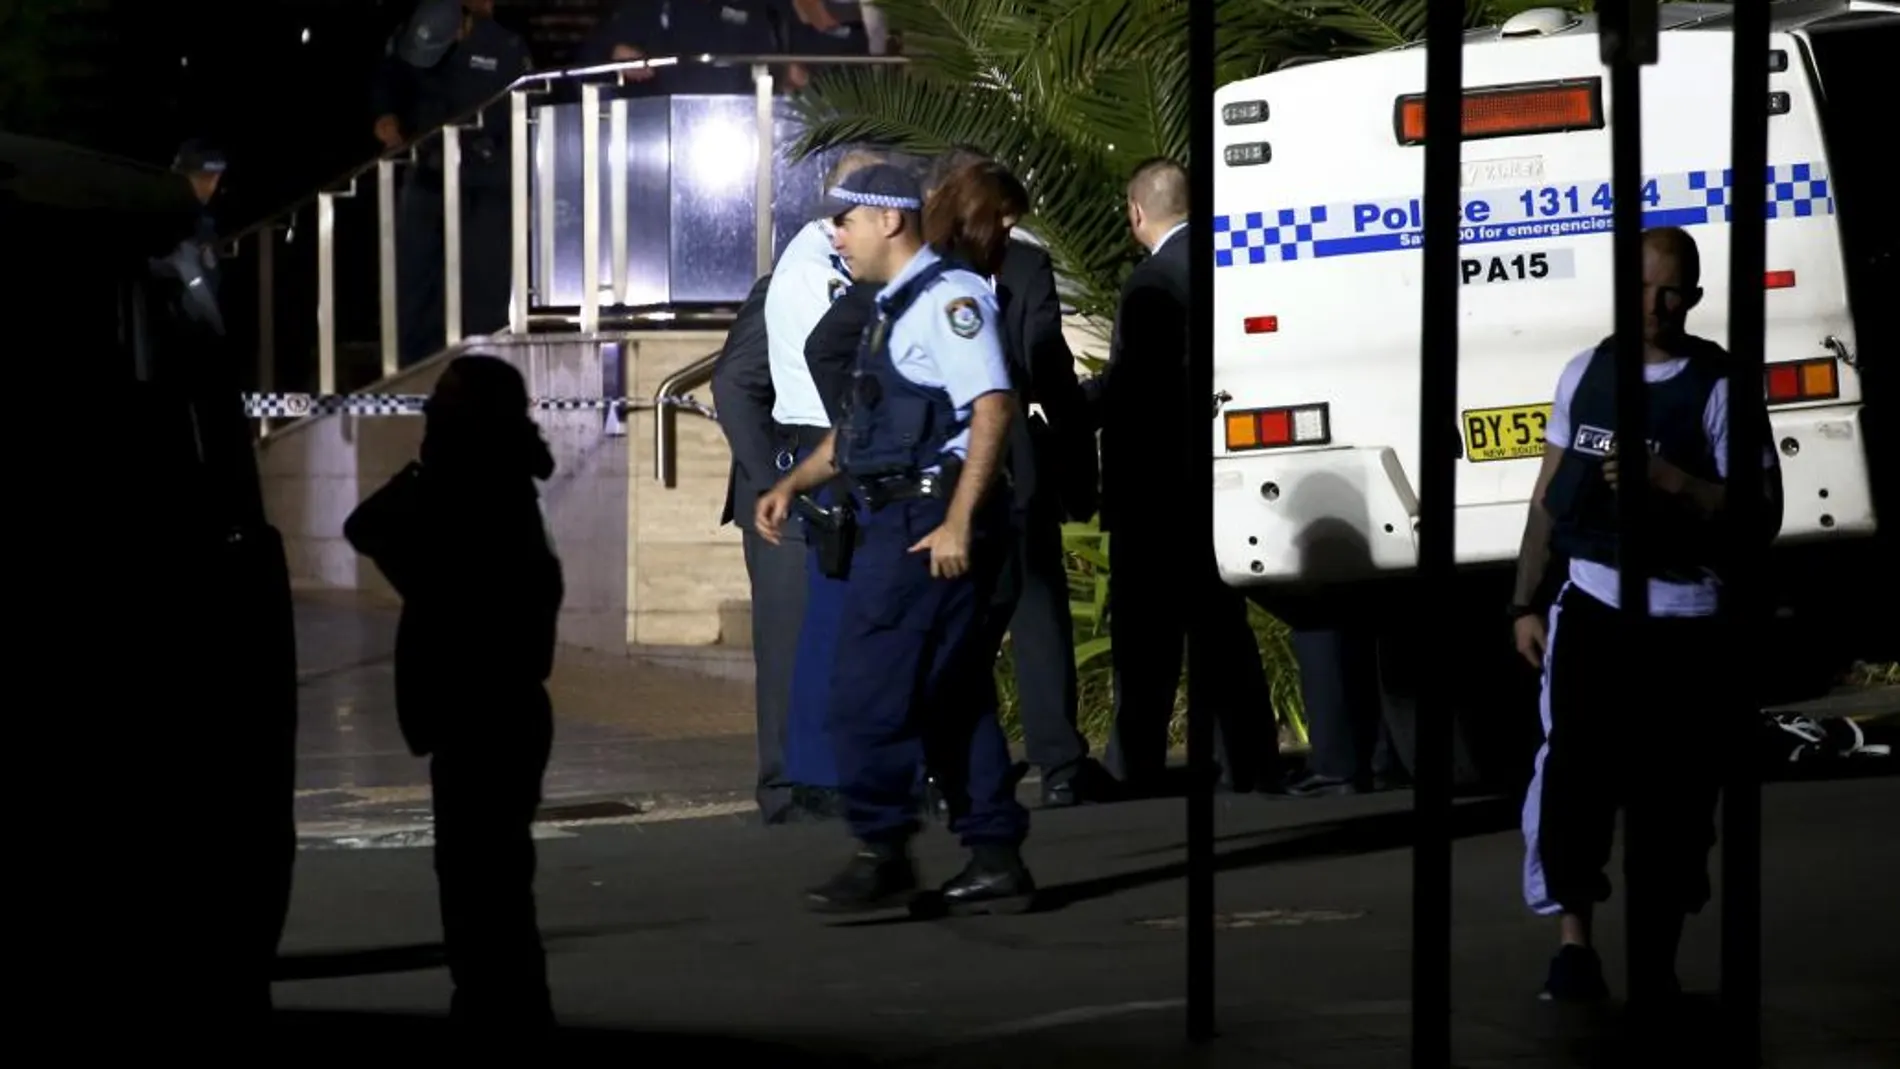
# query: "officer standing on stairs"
{"points": [[921, 442], [203, 165], [449, 58]]}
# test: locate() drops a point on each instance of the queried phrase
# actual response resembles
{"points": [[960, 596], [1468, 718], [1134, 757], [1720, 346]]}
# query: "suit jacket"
{"points": [[743, 395], [1052, 459], [1143, 391]]}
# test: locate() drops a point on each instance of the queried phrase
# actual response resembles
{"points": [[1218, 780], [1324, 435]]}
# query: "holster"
{"points": [[832, 532]]}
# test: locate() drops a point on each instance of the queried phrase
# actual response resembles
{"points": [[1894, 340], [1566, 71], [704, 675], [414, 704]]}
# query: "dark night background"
{"points": [[281, 84]]}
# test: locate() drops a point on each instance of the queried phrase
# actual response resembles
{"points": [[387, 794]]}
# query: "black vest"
{"points": [[891, 425], [1582, 505]]}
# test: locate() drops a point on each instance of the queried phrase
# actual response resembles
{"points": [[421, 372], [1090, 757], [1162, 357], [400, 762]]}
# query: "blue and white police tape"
{"points": [[304, 405]]}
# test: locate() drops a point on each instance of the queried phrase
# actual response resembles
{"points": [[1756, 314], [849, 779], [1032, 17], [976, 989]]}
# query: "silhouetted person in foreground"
{"points": [[460, 536]]}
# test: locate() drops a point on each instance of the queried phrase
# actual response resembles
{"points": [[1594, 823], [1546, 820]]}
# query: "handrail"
{"points": [[665, 414], [543, 80]]}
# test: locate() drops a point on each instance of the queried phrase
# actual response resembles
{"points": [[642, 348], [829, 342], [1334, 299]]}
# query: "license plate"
{"points": [[1513, 433]]}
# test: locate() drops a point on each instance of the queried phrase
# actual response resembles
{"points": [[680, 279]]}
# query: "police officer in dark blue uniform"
{"points": [[639, 29], [448, 59], [1605, 748], [920, 442], [203, 165]]}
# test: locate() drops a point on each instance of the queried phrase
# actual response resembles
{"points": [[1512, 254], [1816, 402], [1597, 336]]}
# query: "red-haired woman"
{"points": [[968, 217]]}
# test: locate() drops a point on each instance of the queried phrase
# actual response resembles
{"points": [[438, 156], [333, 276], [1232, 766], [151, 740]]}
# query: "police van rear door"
{"points": [[1851, 62]]}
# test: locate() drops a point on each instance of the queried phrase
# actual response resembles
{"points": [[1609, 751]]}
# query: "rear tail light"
{"points": [[1779, 280], [1511, 110], [1803, 380], [1275, 428], [1262, 324]]}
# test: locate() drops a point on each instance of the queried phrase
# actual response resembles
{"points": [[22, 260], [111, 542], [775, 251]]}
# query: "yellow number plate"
{"points": [[1505, 433]]}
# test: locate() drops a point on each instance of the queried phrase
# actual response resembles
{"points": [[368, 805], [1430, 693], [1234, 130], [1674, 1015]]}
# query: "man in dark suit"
{"points": [[1149, 478], [743, 396], [1052, 468]]}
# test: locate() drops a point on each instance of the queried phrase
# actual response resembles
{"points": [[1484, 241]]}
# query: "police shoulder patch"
{"points": [[966, 319]]}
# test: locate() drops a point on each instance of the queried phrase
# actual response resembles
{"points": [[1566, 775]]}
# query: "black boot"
{"points": [[995, 881], [879, 876]]}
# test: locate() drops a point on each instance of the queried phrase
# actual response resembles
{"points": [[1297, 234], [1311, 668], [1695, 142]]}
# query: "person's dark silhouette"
{"points": [[460, 536]]}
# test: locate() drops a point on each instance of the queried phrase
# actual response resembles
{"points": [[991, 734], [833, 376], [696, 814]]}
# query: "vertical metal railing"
{"points": [[520, 295], [1203, 678], [590, 208], [326, 285], [617, 169], [546, 152], [1742, 601], [762, 94], [386, 263], [267, 308], [534, 217], [452, 236], [1437, 533]]}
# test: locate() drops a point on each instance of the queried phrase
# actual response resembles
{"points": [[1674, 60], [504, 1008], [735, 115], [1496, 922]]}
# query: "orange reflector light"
{"points": [[1780, 280], [1512, 110], [1802, 380], [1273, 428], [1262, 324]]}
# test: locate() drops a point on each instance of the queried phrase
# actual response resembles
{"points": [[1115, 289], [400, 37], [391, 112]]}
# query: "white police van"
{"points": [[1317, 281]]}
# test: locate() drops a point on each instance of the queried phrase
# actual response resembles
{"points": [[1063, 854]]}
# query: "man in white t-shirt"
{"points": [[1630, 725]]}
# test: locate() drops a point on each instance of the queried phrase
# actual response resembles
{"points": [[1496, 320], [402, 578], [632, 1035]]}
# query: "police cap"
{"points": [[430, 33], [198, 156], [881, 185]]}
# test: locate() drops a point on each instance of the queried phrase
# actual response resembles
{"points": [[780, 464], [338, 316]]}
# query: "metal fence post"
{"points": [[1437, 532], [1628, 43], [1743, 605], [1203, 679]]}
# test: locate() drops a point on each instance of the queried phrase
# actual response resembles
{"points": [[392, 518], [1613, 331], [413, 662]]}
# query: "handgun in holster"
{"points": [[833, 531]]}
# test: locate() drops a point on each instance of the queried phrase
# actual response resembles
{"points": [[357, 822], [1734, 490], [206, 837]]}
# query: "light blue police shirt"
{"points": [[948, 339], [809, 276]]}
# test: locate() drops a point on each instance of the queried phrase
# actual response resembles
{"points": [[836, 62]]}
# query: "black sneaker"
{"points": [[1576, 975], [877, 877]]}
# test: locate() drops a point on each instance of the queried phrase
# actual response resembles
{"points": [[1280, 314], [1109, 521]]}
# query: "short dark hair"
{"points": [[1679, 243], [1160, 186], [963, 218]]}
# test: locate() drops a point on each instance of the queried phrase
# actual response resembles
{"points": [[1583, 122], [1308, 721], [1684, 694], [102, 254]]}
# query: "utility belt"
{"points": [[878, 491], [833, 530]]}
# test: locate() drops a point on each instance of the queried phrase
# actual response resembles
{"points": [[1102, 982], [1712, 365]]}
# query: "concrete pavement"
{"points": [[692, 930], [675, 933]]}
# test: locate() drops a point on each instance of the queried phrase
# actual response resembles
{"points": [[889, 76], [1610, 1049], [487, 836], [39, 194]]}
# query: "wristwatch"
{"points": [[1518, 612]]}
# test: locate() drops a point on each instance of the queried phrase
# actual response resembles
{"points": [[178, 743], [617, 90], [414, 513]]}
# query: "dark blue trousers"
{"points": [[811, 757], [912, 686]]}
